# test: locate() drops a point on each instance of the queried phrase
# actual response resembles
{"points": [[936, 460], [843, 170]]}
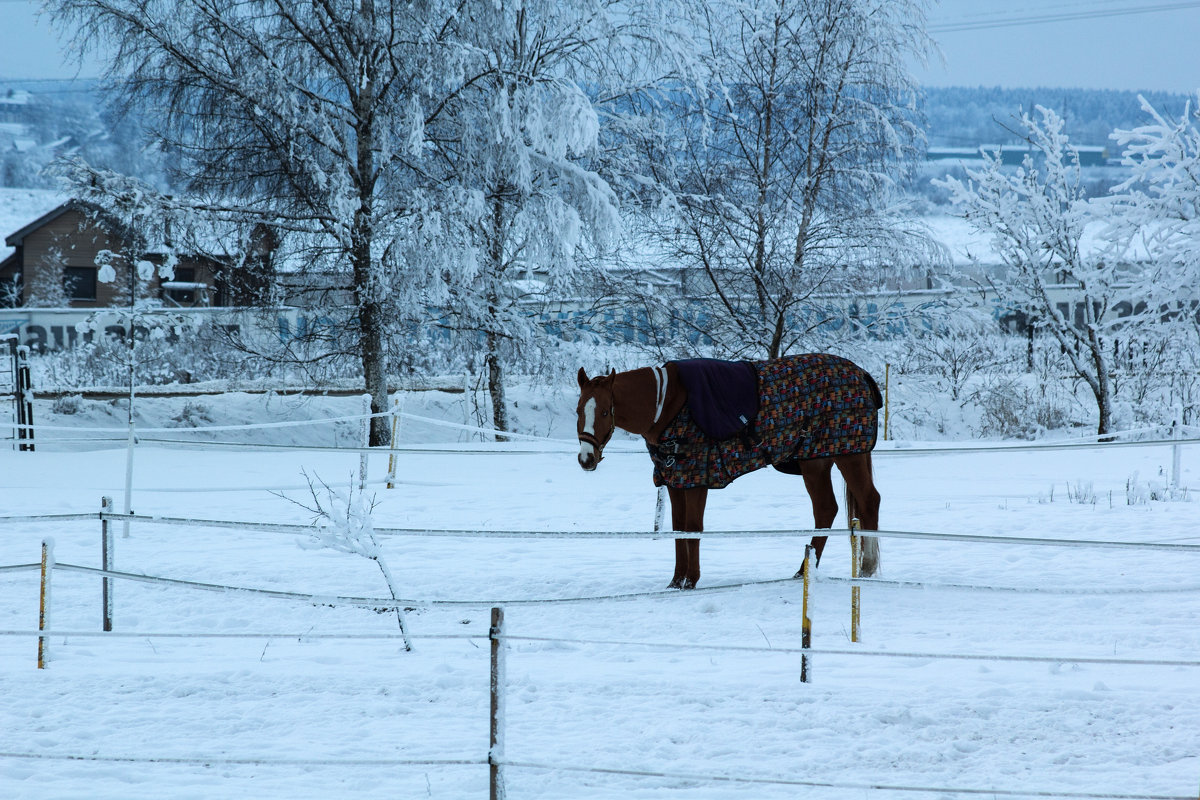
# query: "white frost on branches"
{"points": [[343, 522]]}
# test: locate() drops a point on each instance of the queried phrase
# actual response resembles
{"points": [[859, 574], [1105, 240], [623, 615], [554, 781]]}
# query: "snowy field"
{"points": [[286, 713]]}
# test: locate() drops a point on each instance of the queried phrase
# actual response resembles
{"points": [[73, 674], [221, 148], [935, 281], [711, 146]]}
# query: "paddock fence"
{"points": [[497, 760]]}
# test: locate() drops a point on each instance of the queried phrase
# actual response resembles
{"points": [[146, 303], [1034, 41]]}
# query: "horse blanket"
{"points": [[809, 406], [722, 395]]}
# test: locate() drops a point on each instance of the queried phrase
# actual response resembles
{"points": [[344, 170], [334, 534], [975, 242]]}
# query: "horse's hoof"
{"points": [[688, 583], [676, 583]]}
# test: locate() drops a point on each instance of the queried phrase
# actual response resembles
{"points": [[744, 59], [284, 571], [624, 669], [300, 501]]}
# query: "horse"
{"points": [[705, 422]]}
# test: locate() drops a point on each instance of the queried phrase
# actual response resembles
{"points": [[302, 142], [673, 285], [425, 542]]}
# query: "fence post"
{"points": [[887, 379], [805, 620], [855, 573], [44, 604], [106, 563], [1176, 433], [24, 399], [496, 749], [391, 476], [366, 441]]}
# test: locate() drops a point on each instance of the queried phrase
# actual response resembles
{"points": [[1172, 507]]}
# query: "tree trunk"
{"points": [[372, 319], [371, 347], [495, 370], [1102, 387], [495, 367]]}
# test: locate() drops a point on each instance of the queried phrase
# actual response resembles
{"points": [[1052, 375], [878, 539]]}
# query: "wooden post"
{"points": [[366, 442], [44, 606], [805, 620], [106, 563], [855, 573], [391, 478], [496, 749]]}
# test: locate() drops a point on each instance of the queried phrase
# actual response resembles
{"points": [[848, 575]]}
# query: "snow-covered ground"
{"points": [[285, 713]]}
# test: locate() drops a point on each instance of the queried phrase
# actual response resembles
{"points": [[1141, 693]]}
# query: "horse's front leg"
{"points": [[687, 514], [818, 482]]}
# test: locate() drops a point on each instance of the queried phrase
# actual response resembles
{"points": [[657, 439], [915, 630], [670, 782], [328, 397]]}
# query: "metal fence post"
{"points": [[44, 603], [24, 399], [496, 750], [107, 562]]}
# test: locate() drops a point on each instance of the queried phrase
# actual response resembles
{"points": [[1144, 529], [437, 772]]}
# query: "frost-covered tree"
{"points": [[307, 117], [779, 161], [1159, 206], [1037, 215], [520, 138], [1160, 202]]}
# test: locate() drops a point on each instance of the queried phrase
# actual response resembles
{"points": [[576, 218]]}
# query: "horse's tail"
{"points": [[870, 544], [876, 395]]}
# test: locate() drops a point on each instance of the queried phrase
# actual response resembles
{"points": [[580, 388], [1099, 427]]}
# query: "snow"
{"points": [[286, 713]]}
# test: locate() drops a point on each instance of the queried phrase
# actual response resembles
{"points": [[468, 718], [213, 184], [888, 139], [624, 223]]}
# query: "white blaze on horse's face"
{"points": [[595, 421], [587, 453]]}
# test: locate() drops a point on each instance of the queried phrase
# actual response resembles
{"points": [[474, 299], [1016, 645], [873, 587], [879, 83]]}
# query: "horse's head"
{"points": [[595, 423]]}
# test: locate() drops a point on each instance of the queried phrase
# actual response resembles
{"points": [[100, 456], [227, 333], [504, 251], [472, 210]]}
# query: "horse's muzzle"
{"points": [[589, 455]]}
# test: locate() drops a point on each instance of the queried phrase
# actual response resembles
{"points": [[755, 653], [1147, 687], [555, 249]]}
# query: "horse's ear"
{"points": [[583, 378]]}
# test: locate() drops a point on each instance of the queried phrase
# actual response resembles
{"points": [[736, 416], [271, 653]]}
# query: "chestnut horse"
{"points": [[645, 402]]}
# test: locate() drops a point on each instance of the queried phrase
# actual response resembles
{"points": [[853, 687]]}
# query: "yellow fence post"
{"points": [[805, 620], [887, 375], [855, 573]]}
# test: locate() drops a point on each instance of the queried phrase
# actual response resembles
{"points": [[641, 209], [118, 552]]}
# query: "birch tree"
{"points": [[309, 118], [1037, 215], [1159, 206], [779, 167], [1160, 203], [519, 139]]}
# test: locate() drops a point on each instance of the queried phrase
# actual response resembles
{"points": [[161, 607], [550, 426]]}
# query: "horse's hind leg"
{"points": [[687, 514], [864, 500], [816, 473]]}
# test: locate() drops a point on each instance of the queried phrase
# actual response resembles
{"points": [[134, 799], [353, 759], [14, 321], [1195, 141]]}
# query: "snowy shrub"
{"points": [[1082, 492], [67, 404], [1009, 410], [193, 414]]}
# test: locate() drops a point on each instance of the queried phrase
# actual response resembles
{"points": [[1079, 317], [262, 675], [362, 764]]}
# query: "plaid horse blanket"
{"points": [[809, 406]]}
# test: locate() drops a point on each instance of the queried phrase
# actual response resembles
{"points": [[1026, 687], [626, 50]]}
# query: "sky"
{"points": [[1097, 44]]}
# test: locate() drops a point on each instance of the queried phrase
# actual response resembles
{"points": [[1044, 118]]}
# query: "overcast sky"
{"points": [[1095, 44]]}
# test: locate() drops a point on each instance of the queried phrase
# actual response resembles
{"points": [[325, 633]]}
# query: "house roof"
{"points": [[18, 205], [17, 238]]}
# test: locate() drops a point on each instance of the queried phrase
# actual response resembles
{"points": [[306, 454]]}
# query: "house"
{"points": [[58, 257]]}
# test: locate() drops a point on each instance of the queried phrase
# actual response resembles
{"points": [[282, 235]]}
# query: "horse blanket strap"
{"points": [[660, 391], [809, 406], [722, 395]]}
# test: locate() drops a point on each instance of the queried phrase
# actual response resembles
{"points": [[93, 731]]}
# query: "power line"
{"points": [[1060, 16]]}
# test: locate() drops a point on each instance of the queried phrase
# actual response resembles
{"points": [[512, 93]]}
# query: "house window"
{"points": [[183, 275], [79, 283]]}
